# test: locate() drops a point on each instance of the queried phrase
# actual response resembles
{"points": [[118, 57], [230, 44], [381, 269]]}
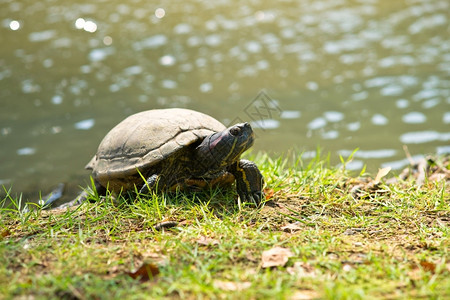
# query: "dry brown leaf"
{"points": [[305, 295], [428, 266], [275, 257], [206, 241], [250, 256], [268, 193], [5, 233], [416, 273], [301, 270], [145, 272], [381, 173], [185, 223], [291, 227], [231, 285]]}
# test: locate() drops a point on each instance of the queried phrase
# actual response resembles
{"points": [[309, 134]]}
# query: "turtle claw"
{"points": [[258, 197], [254, 198]]}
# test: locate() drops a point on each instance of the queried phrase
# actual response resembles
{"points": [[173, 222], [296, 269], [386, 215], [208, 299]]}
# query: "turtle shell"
{"points": [[145, 139]]}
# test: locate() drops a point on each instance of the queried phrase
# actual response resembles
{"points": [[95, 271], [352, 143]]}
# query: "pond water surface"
{"points": [[339, 74]]}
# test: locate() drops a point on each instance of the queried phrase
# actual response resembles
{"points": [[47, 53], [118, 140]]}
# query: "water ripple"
{"points": [[85, 124], [317, 123], [446, 118], [414, 118], [379, 119], [42, 35], [100, 54], [421, 137], [265, 124], [152, 42], [378, 153], [26, 151]]}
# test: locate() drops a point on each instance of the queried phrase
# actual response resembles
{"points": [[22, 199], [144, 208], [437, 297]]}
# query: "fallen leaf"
{"points": [[353, 231], [206, 241], [185, 223], [301, 270], [357, 244], [416, 274], [437, 177], [145, 272], [305, 295], [291, 227], [277, 256], [269, 193], [5, 233], [381, 173], [428, 266], [357, 258], [231, 285], [349, 232]]}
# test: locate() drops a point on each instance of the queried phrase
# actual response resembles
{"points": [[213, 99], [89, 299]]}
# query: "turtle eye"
{"points": [[235, 131]]}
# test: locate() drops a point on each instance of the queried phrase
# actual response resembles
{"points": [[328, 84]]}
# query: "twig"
{"points": [[408, 155], [421, 169]]}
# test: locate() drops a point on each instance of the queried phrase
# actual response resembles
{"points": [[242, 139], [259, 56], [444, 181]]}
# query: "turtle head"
{"points": [[223, 148]]}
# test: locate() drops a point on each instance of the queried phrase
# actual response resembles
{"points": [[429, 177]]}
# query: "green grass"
{"points": [[388, 242]]}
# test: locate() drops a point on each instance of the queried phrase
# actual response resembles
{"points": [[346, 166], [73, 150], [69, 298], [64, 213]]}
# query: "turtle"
{"points": [[163, 150]]}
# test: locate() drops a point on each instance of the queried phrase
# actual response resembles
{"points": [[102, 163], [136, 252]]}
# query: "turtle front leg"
{"points": [[151, 184], [84, 195], [249, 181], [159, 183]]}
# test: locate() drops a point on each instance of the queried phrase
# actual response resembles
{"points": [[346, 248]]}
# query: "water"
{"points": [[338, 74]]}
